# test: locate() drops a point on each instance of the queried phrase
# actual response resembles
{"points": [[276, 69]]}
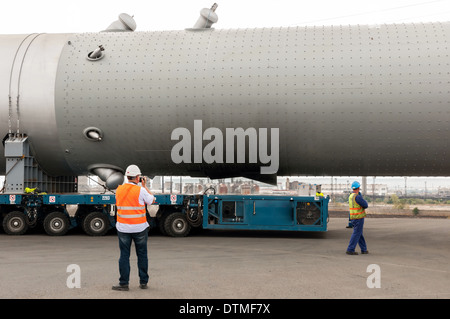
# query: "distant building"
{"points": [[444, 192], [338, 189]]}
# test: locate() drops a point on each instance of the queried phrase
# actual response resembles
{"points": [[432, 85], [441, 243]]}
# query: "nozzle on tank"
{"points": [[125, 23], [97, 54], [207, 18]]}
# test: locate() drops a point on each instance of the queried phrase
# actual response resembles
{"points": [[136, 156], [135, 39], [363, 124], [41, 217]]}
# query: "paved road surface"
{"points": [[413, 256]]}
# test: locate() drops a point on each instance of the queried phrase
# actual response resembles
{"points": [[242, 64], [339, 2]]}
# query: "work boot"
{"points": [[351, 252], [143, 286], [365, 252], [120, 287]]}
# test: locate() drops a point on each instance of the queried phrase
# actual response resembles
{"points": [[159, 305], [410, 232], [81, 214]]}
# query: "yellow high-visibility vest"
{"points": [[356, 211]]}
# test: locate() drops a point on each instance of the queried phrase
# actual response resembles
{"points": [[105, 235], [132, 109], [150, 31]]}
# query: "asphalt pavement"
{"points": [[408, 258]]}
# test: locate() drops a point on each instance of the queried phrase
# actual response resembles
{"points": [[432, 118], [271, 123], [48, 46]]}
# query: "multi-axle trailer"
{"points": [[63, 208], [176, 215]]}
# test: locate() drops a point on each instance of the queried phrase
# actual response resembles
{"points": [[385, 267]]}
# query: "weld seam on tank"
{"points": [[18, 83]]}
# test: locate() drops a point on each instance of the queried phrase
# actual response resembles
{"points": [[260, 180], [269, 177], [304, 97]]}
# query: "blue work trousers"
{"points": [[140, 242], [357, 236]]}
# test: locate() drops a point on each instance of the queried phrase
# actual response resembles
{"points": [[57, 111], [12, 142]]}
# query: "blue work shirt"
{"points": [[361, 201]]}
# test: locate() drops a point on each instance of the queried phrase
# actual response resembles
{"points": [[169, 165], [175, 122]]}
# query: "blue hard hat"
{"points": [[356, 185]]}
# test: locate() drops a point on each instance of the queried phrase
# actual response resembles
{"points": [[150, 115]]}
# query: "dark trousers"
{"points": [[357, 236], [140, 242]]}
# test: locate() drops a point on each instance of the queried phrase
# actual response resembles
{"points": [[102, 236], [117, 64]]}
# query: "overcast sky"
{"points": [[60, 16]]}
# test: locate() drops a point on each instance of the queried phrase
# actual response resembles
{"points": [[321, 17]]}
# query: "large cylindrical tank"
{"points": [[28, 68], [347, 100]]}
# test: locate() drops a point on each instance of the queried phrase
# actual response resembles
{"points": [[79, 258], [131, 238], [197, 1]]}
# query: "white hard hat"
{"points": [[132, 170]]}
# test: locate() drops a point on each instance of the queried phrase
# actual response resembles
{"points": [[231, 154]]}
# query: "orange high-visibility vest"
{"points": [[356, 211], [129, 211]]}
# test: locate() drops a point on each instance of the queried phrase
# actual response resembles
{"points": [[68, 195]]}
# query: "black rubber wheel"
{"points": [[161, 224], [96, 224], [56, 224], [176, 225], [15, 223]]}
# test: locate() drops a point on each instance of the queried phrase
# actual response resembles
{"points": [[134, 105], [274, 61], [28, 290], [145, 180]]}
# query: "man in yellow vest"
{"points": [[357, 205], [132, 225], [319, 191]]}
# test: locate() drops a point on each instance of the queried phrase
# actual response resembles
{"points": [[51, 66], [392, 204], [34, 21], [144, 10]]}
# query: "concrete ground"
{"points": [[409, 258]]}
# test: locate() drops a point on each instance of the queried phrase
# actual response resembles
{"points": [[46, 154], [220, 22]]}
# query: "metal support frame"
{"points": [[23, 171]]}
